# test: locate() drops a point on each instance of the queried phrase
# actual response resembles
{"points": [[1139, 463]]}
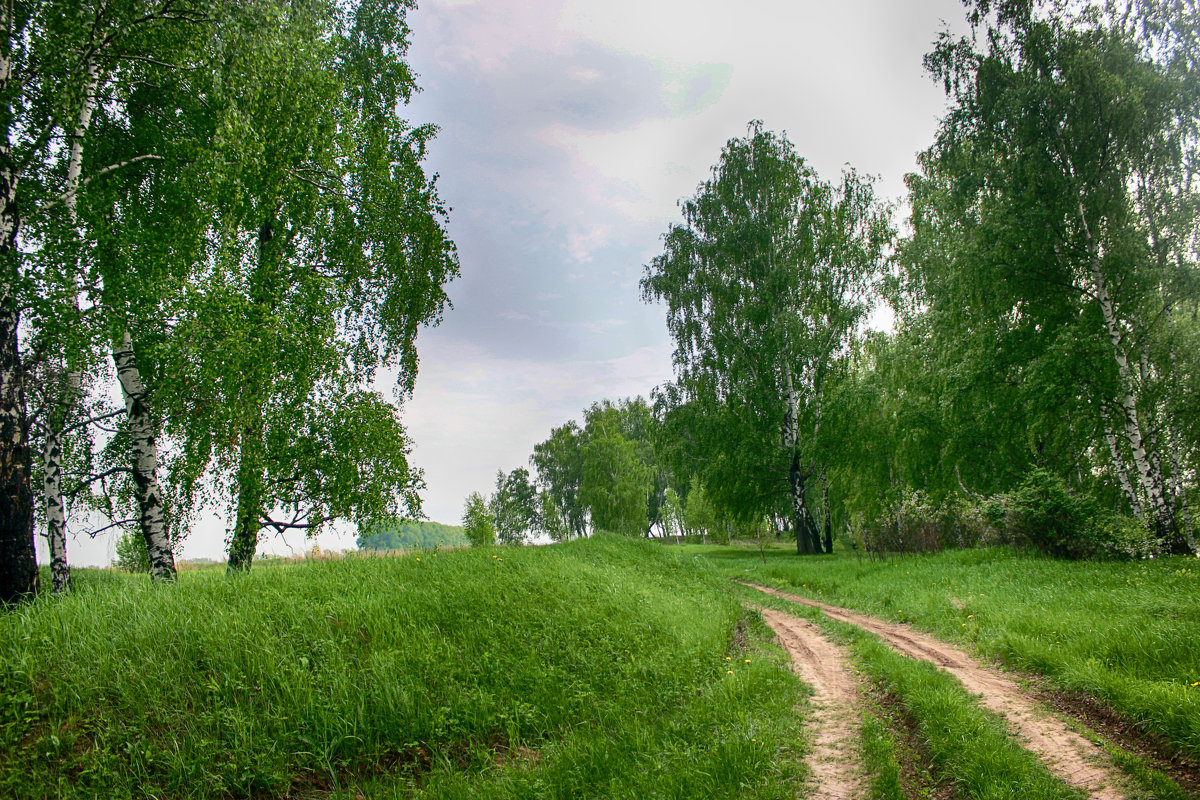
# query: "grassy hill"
{"points": [[600, 668]]}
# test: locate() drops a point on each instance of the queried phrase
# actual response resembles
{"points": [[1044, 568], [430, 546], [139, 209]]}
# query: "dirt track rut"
{"points": [[834, 723], [1066, 753]]}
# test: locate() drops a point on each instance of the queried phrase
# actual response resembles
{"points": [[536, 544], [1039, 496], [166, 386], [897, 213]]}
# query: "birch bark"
{"points": [[1119, 463], [807, 538], [56, 522], [1149, 478], [144, 450]]}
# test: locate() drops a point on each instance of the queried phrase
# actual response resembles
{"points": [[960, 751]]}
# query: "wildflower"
{"points": [[747, 661], [729, 672]]}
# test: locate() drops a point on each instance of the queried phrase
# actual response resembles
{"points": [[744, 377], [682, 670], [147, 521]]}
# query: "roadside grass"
{"points": [[600, 668], [1127, 633]]}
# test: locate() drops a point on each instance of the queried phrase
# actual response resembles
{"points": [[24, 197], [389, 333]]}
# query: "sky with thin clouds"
{"points": [[569, 131]]}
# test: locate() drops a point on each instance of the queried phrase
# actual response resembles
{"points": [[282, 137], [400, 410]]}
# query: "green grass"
{"points": [[594, 669], [1127, 633]]}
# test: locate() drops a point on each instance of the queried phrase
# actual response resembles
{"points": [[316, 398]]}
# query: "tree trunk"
{"points": [[1150, 479], [18, 560], [56, 520], [144, 449], [1119, 463], [828, 521], [243, 543]]}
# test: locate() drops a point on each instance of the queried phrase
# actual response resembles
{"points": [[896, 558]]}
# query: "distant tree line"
{"points": [[215, 208], [1040, 383], [618, 471]]}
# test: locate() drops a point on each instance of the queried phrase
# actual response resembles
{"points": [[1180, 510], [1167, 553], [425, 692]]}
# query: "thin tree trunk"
{"points": [[18, 560], [806, 531], [825, 506], [1119, 463], [144, 450], [56, 521], [243, 542]]}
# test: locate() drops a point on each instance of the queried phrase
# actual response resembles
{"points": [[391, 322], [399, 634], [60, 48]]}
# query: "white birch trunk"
{"points": [[802, 520], [56, 518], [1149, 478], [145, 462], [56, 522], [1119, 464]]}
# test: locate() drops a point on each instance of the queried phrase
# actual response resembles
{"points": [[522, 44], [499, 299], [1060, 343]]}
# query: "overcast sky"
{"points": [[569, 131]]}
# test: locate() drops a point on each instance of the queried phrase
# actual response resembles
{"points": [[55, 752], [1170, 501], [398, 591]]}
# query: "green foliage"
{"points": [[615, 483], [515, 507], [478, 524], [765, 282], [552, 520], [131, 553], [1043, 512], [410, 535], [408, 677]]}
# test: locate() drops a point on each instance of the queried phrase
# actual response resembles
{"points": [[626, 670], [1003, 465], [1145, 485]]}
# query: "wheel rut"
{"points": [[1066, 753], [834, 724]]}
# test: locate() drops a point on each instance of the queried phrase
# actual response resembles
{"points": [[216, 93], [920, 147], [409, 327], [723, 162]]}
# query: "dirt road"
{"points": [[1066, 753]]}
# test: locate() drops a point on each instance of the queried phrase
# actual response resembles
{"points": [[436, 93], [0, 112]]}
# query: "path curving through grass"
{"points": [[1067, 754]]}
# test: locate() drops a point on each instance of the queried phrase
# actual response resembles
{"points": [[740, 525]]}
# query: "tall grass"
{"points": [[594, 669], [1125, 632]]}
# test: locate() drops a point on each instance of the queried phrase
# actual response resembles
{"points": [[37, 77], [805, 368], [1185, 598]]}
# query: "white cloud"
{"points": [[582, 243]]}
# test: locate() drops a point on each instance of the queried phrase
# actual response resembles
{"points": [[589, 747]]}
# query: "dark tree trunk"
{"points": [[828, 520], [18, 560], [807, 539]]}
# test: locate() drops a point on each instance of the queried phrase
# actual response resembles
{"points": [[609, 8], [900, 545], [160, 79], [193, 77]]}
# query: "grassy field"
{"points": [[595, 669], [1127, 633], [603, 668]]}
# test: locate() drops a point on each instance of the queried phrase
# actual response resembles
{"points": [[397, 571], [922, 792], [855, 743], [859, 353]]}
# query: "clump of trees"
{"points": [[619, 471], [410, 535], [216, 207]]}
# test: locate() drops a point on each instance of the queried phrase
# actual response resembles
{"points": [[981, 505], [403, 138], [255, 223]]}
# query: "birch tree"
{"points": [[53, 60], [765, 281], [330, 255], [1073, 138]]}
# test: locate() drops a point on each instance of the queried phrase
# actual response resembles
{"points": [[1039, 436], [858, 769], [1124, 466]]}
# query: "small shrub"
{"points": [[1043, 513], [1123, 537], [131, 553]]}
